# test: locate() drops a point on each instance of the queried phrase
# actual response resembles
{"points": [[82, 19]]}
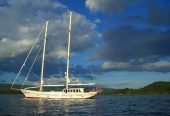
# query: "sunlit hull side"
{"points": [[58, 94]]}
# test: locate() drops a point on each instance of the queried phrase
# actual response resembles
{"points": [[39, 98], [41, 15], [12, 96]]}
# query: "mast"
{"points": [[43, 57], [68, 53]]}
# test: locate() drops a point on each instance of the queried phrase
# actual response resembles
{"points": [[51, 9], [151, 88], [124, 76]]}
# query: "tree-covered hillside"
{"points": [[154, 88]]}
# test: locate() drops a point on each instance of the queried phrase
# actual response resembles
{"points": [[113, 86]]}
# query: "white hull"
{"points": [[58, 94]]}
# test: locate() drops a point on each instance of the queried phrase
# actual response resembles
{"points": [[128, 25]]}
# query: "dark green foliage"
{"points": [[157, 88], [154, 88], [107, 91], [5, 89]]}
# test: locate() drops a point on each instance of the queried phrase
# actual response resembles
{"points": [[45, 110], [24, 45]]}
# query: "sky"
{"points": [[115, 43]]}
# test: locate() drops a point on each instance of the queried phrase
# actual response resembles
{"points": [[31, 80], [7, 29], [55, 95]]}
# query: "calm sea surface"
{"points": [[138, 105]]}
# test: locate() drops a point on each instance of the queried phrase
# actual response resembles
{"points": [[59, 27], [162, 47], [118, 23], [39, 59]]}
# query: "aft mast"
{"points": [[43, 58], [68, 53]]}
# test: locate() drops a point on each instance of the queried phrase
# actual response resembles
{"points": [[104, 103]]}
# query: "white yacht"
{"points": [[68, 91]]}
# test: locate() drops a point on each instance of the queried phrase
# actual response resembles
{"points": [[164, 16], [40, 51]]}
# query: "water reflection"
{"points": [[37, 105], [78, 106], [65, 107], [40, 108]]}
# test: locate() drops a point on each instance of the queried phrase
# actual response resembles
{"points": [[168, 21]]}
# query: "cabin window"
{"points": [[68, 90], [77, 90], [73, 90]]}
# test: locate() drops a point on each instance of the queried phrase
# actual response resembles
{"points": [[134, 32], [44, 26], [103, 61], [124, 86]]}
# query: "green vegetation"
{"points": [[154, 88], [5, 89]]}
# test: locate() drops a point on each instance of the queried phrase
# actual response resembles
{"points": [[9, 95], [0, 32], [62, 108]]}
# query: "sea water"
{"points": [[124, 105]]}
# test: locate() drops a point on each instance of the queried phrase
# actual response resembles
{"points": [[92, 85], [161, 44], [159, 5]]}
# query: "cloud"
{"points": [[153, 13], [158, 15], [129, 48], [139, 42], [107, 6], [21, 21], [11, 48], [112, 65], [52, 68], [25, 19], [159, 65], [129, 43], [156, 66], [55, 80]]}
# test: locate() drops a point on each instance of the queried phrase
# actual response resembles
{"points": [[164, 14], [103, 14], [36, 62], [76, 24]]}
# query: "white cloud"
{"points": [[11, 48], [107, 5], [59, 54], [56, 80], [157, 65], [114, 65], [24, 19], [98, 21]]}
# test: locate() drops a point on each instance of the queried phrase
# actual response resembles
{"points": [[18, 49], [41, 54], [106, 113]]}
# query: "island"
{"points": [[153, 88]]}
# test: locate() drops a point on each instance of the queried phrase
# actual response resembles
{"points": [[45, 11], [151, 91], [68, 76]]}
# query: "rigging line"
{"points": [[32, 65], [90, 68], [36, 75], [27, 57], [32, 71]]}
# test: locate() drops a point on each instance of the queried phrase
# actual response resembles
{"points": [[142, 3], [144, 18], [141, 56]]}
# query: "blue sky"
{"points": [[116, 43]]}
